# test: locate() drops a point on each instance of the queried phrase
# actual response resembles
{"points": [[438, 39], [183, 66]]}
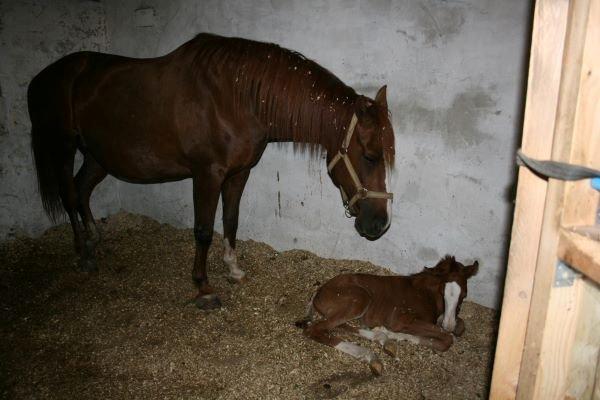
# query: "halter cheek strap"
{"points": [[361, 191]]}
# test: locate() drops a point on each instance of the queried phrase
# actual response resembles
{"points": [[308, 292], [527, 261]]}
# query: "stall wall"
{"points": [[454, 71], [32, 35]]}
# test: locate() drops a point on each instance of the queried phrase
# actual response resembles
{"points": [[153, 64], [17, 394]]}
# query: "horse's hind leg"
{"points": [[424, 333], [387, 339], [340, 304], [320, 332], [232, 191], [89, 175], [68, 194]]}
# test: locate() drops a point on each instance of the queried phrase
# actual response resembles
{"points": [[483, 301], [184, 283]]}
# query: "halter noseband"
{"points": [[361, 191]]}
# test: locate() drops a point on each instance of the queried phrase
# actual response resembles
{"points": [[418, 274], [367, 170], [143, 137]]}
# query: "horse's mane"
{"points": [[287, 92]]}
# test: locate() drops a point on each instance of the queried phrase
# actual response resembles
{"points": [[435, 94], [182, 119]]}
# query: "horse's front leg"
{"points": [[232, 191], [206, 197]]}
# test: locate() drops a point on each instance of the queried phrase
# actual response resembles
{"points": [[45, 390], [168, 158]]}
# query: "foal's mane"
{"points": [[290, 94]]}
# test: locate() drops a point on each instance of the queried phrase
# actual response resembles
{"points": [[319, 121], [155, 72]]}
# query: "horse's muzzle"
{"points": [[369, 225]]}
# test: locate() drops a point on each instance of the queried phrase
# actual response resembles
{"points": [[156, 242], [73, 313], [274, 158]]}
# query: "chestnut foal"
{"points": [[421, 308]]}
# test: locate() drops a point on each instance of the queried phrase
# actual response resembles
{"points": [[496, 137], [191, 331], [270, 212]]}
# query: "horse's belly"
{"points": [[138, 161]]}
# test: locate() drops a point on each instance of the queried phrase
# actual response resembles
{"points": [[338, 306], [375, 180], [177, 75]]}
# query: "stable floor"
{"points": [[129, 332]]}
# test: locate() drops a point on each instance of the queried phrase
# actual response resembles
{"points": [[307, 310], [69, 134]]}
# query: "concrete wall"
{"points": [[32, 35], [454, 71]]}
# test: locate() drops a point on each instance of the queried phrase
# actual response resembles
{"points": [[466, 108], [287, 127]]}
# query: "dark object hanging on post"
{"points": [[557, 170]]}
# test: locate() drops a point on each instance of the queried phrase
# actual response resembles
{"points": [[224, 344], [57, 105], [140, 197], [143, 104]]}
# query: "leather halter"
{"points": [[361, 191]]}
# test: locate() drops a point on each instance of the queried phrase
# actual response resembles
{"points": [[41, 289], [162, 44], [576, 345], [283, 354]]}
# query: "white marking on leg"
{"points": [[451, 295], [398, 335], [230, 259], [373, 335], [356, 351]]}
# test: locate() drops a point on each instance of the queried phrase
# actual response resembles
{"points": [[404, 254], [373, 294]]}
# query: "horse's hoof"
{"points": [[390, 347], [460, 327], [236, 280], [376, 367], [208, 302], [88, 265]]}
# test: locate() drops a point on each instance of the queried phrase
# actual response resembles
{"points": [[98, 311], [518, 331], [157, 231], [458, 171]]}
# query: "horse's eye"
{"points": [[370, 159]]}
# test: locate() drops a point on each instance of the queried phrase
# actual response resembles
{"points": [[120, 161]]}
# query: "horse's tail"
{"points": [[52, 138], [310, 314]]}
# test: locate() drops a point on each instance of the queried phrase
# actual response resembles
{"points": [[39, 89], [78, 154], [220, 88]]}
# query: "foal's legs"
{"points": [[232, 190], [89, 175], [423, 333], [387, 339], [206, 197], [337, 315]]}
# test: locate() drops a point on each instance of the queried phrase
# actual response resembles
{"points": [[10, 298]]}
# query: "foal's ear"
{"points": [[470, 270], [381, 97]]}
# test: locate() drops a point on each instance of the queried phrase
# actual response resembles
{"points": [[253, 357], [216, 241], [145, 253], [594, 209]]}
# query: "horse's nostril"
{"points": [[380, 224]]}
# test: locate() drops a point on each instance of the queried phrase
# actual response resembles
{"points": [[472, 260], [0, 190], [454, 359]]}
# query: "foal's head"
{"points": [[449, 281], [370, 150]]}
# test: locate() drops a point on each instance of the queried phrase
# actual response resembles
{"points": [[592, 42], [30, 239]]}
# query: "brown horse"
{"points": [[422, 308], [206, 111]]}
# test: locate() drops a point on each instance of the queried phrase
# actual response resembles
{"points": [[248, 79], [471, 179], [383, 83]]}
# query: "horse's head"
{"points": [[451, 287], [358, 169]]}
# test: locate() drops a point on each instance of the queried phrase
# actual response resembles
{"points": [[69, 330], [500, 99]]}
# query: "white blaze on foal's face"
{"points": [[451, 296]]}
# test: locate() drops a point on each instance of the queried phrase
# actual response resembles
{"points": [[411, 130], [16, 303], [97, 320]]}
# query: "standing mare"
{"points": [[205, 111]]}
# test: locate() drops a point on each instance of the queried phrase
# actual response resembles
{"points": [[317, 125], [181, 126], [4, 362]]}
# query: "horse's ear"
{"points": [[470, 270], [363, 111], [381, 97], [366, 119]]}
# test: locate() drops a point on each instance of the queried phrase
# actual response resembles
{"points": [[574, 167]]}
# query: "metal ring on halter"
{"points": [[361, 191]]}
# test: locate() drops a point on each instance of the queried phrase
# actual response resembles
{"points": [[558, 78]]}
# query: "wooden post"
{"points": [[545, 66], [556, 325], [556, 357]]}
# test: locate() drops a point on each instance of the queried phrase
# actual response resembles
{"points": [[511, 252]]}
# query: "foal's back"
{"points": [[376, 299]]}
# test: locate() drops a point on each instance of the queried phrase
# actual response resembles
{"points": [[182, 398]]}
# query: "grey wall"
{"points": [[454, 71], [32, 35]]}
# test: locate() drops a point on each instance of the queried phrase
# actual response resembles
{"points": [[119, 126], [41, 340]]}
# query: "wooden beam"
{"points": [[549, 334], [581, 252], [545, 67], [571, 343], [581, 201]]}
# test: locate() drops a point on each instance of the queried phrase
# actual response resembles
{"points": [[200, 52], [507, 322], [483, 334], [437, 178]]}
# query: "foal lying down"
{"points": [[421, 308]]}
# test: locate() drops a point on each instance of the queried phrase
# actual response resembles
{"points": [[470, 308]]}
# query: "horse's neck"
{"points": [[327, 135], [427, 283]]}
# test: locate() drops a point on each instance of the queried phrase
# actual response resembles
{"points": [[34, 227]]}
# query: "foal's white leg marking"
{"points": [[373, 335], [230, 259], [451, 294], [397, 335], [381, 334], [356, 351]]}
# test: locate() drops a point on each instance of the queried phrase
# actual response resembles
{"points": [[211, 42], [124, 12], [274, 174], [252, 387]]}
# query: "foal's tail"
{"points": [[52, 138], [310, 314]]}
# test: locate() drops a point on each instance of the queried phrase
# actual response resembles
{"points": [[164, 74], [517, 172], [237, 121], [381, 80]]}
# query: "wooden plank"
{"points": [[549, 331], [571, 343], [561, 326], [581, 201], [596, 393], [581, 252], [548, 36], [586, 345]]}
